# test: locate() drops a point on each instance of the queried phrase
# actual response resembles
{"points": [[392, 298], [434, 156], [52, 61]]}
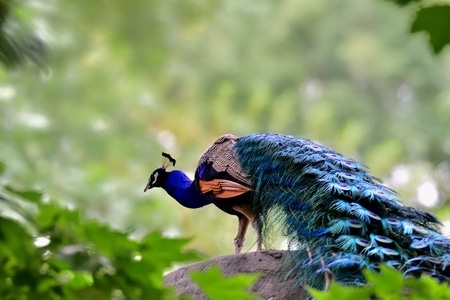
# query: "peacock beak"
{"points": [[147, 187]]}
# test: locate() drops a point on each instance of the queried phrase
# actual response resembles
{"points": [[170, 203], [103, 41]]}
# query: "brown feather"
{"points": [[224, 158], [222, 188]]}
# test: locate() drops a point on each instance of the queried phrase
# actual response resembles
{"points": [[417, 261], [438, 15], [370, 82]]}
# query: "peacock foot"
{"points": [[238, 244]]}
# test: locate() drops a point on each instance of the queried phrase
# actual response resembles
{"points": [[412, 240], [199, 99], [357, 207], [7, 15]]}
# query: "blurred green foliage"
{"points": [[126, 81], [17, 44], [388, 284], [48, 252]]}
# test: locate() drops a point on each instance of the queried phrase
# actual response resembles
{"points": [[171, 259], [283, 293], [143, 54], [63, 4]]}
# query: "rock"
{"points": [[270, 286]]}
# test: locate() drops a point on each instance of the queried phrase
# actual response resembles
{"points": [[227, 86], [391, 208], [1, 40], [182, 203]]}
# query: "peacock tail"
{"points": [[337, 217]]}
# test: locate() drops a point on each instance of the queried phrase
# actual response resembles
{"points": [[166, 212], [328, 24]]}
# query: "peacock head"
{"points": [[159, 176]]}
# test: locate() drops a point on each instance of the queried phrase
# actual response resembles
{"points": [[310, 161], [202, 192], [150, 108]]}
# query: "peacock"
{"points": [[338, 218]]}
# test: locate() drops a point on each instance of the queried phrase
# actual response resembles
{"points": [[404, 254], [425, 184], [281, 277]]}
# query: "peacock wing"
{"points": [[219, 171]]}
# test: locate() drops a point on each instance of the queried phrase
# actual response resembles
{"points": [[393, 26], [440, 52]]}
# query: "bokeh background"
{"points": [[126, 80]]}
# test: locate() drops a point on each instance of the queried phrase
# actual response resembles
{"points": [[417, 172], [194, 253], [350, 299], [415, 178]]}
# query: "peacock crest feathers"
{"points": [[167, 161]]}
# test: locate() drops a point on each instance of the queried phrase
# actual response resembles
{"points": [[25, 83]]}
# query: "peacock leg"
{"points": [[257, 225], [251, 216], [242, 230]]}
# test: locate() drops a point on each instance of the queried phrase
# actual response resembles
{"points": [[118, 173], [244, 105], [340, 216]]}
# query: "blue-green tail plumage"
{"points": [[337, 217]]}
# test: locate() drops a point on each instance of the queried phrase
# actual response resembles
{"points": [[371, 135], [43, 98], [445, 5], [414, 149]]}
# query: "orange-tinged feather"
{"points": [[222, 188]]}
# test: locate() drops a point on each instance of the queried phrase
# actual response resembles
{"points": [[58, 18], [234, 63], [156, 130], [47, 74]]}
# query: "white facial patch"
{"points": [[155, 178]]}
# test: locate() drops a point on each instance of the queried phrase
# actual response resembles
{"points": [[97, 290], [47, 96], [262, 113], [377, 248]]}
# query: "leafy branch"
{"points": [[433, 19], [388, 284], [49, 252]]}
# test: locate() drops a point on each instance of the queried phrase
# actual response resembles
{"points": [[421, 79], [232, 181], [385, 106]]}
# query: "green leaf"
{"points": [[15, 242], [403, 2], [46, 284], [387, 284], [434, 20], [154, 242], [337, 291], [108, 241], [217, 287], [426, 287], [80, 280], [30, 195], [48, 214]]}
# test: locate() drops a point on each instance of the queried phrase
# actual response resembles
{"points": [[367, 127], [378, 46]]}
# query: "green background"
{"points": [[125, 80]]}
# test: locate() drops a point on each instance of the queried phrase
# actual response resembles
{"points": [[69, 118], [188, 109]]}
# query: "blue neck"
{"points": [[184, 190]]}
